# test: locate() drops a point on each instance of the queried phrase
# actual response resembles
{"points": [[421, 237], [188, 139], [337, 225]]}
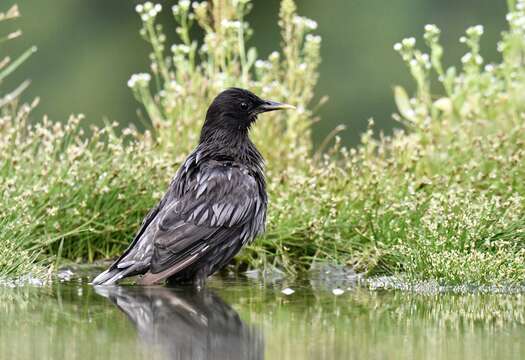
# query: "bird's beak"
{"points": [[273, 105]]}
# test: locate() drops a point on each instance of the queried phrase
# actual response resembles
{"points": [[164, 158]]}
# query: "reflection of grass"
{"points": [[394, 325], [63, 323], [443, 199]]}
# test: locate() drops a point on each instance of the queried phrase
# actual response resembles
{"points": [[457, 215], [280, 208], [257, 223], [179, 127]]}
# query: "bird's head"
{"points": [[237, 109]]}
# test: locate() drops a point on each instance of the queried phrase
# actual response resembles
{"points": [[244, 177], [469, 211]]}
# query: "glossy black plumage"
{"points": [[215, 204]]}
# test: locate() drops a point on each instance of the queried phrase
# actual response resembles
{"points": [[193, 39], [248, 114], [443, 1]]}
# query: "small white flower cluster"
{"points": [[231, 24], [182, 7], [516, 19], [200, 8], [262, 64], [180, 49], [423, 59], [139, 79], [175, 87], [475, 31], [490, 68], [210, 40], [469, 58], [432, 29], [148, 11], [274, 56], [315, 39], [408, 43], [195, 5], [270, 88], [304, 22], [432, 33]]}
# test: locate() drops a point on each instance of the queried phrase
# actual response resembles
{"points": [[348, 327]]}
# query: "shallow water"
{"points": [[251, 319]]}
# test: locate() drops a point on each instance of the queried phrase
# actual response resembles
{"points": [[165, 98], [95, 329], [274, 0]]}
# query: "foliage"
{"points": [[14, 257], [427, 202], [83, 195], [80, 198], [188, 75], [65, 194], [442, 199]]}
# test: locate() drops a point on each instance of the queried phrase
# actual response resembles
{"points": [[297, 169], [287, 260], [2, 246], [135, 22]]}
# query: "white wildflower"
{"points": [[476, 31], [141, 78], [444, 104], [184, 4], [316, 39], [261, 64], [52, 211], [231, 24], [310, 24], [489, 68], [479, 29], [274, 56], [432, 29], [409, 42], [176, 87], [478, 59], [180, 48], [466, 58]]}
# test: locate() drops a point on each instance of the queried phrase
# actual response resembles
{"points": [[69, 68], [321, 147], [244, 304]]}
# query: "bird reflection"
{"points": [[186, 324]]}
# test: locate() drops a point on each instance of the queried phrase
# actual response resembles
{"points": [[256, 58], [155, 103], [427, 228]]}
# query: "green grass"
{"points": [[442, 199]]}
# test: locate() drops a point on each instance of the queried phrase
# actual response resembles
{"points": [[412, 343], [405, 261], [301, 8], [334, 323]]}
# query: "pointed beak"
{"points": [[273, 105]]}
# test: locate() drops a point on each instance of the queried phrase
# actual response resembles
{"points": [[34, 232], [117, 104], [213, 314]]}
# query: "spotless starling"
{"points": [[215, 204]]}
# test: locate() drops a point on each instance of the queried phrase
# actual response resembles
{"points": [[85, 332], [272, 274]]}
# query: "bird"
{"points": [[182, 323], [215, 204]]}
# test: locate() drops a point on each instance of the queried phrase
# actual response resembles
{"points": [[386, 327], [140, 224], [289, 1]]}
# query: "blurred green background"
{"points": [[88, 49]]}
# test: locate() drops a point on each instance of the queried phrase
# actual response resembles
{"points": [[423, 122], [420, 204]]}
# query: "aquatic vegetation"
{"points": [[442, 199]]}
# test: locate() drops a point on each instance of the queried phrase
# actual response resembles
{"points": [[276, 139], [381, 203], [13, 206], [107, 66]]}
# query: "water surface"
{"points": [[252, 319]]}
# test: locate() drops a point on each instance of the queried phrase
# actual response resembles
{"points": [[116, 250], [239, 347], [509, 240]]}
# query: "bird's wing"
{"points": [[218, 204]]}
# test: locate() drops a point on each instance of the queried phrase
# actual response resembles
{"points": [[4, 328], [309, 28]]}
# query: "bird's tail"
{"points": [[110, 276]]}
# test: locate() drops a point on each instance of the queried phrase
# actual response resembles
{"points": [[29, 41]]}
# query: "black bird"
{"points": [[178, 323], [215, 204]]}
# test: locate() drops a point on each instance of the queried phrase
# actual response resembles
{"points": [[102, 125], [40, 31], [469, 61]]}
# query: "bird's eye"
{"points": [[244, 106]]}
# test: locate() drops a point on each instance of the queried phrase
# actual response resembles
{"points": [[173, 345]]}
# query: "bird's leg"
{"points": [[200, 278]]}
